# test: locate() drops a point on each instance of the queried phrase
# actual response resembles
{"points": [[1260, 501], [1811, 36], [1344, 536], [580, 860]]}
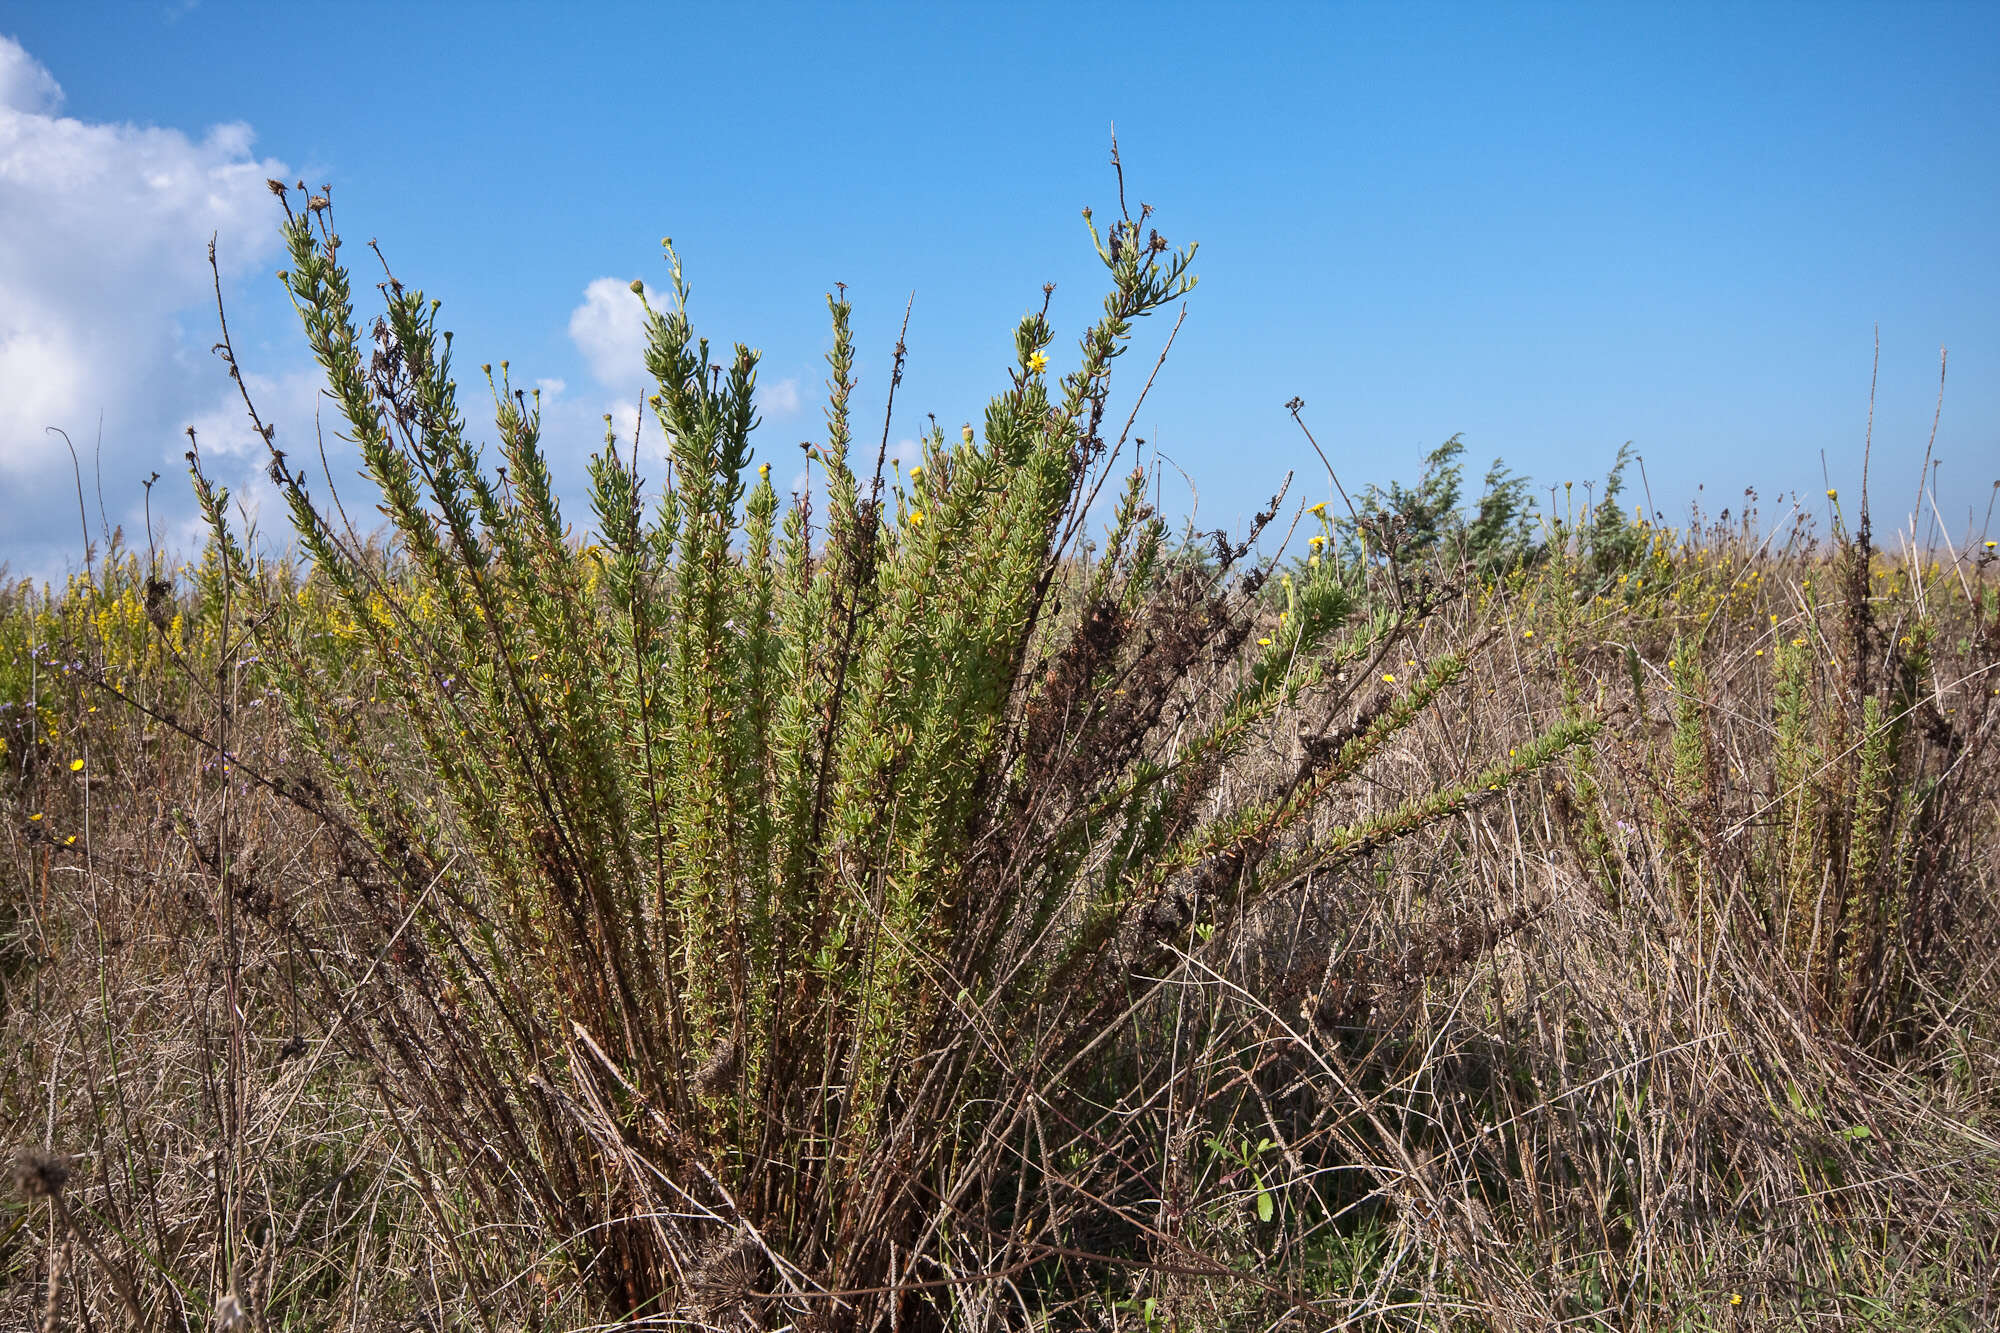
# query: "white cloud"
{"points": [[105, 302], [25, 83], [609, 328]]}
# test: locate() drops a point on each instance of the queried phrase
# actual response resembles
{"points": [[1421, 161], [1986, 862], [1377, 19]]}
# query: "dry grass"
{"points": [[1546, 1064]]}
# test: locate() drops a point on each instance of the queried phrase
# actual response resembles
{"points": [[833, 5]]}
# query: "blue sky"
{"points": [[1550, 229]]}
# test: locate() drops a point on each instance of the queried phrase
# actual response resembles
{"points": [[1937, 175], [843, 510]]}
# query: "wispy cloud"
{"points": [[778, 399]]}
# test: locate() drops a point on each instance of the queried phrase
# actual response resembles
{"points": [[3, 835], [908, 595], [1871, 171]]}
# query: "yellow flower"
{"points": [[1833, 495], [1263, 643], [1527, 634], [1318, 510], [1316, 541], [1038, 362], [1389, 678], [764, 469], [35, 818], [916, 518], [1736, 1298], [1991, 545], [76, 765], [70, 841], [1798, 643], [916, 470]]}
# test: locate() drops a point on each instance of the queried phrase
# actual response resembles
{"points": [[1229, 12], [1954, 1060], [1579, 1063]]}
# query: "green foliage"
{"points": [[1426, 522], [1417, 524], [1615, 543]]}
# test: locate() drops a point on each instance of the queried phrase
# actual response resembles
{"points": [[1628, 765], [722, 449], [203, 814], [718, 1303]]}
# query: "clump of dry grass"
{"points": [[223, 1155]]}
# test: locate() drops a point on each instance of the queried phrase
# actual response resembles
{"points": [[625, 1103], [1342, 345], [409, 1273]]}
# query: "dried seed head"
{"points": [[716, 1072], [159, 602], [724, 1283], [40, 1173]]}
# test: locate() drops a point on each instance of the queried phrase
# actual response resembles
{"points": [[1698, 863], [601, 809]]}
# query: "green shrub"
{"points": [[766, 899]]}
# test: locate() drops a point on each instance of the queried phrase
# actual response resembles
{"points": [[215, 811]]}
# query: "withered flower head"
{"points": [[40, 1173]]}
